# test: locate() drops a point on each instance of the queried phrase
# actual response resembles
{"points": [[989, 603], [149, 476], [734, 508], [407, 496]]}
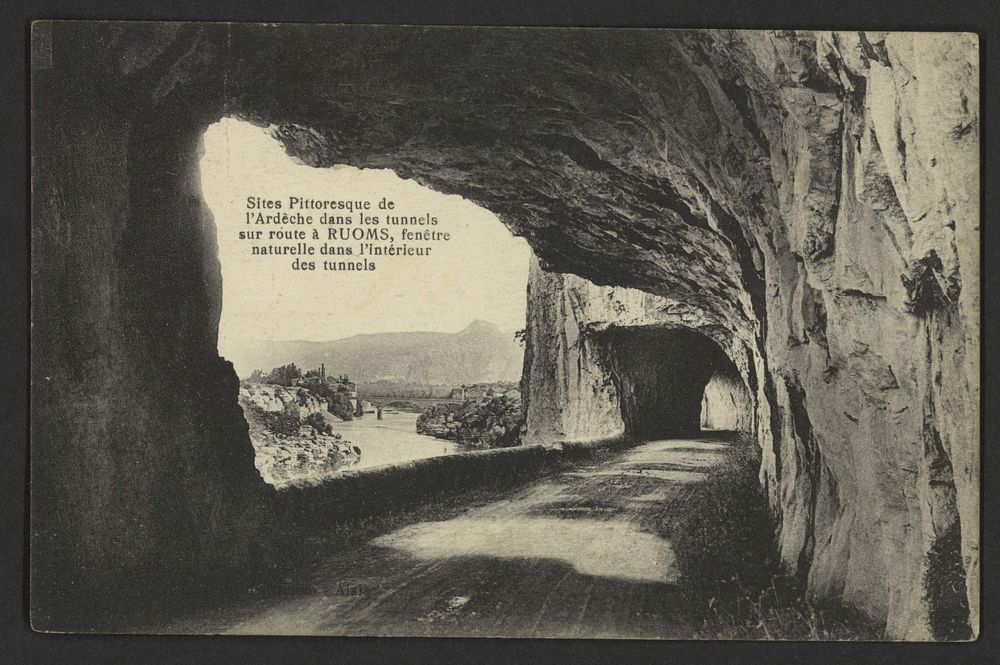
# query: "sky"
{"points": [[481, 273]]}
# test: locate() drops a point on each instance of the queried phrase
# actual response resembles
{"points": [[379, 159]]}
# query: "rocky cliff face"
{"points": [[299, 447], [861, 283], [293, 401], [806, 202]]}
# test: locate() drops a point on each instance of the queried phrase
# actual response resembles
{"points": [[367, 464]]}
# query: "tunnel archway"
{"points": [[661, 376], [320, 318]]}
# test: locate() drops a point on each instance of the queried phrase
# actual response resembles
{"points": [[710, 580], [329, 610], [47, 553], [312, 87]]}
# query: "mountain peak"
{"points": [[479, 327], [480, 353]]}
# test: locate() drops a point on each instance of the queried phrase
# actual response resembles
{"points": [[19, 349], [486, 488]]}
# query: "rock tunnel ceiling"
{"points": [[548, 131], [782, 193]]}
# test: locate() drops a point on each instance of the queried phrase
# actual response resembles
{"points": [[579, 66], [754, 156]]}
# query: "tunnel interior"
{"points": [[136, 433], [674, 382]]}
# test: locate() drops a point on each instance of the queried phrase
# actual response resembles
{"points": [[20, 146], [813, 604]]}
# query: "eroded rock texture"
{"points": [[807, 201]]}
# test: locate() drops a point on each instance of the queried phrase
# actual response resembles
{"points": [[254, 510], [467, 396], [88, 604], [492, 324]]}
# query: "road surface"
{"points": [[573, 555]]}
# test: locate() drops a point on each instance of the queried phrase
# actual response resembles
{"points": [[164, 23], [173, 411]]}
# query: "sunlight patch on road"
{"points": [[598, 548], [690, 460], [673, 444], [658, 474]]}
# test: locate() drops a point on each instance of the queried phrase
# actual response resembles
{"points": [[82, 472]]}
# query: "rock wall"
{"points": [[567, 390], [806, 200], [865, 313], [885, 287], [142, 477]]}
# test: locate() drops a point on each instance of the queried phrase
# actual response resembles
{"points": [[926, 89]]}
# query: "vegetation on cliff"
{"points": [[493, 421], [334, 391]]}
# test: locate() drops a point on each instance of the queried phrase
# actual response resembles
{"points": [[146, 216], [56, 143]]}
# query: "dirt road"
{"points": [[574, 555]]}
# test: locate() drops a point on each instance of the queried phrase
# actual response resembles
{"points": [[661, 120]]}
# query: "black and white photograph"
{"points": [[504, 332]]}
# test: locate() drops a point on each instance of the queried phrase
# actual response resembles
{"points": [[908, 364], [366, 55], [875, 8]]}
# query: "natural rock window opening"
{"points": [[336, 363]]}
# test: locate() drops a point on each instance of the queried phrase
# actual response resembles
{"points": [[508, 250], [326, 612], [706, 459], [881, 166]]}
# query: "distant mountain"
{"points": [[479, 354]]}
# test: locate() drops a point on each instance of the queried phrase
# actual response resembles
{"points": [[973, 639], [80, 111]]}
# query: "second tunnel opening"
{"points": [[675, 382]]}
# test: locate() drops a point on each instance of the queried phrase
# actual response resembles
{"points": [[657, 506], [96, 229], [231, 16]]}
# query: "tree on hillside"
{"points": [[256, 376], [285, 375]]}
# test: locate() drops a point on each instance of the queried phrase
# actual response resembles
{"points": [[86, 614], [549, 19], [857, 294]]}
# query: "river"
{"points": [[392, 440]]}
